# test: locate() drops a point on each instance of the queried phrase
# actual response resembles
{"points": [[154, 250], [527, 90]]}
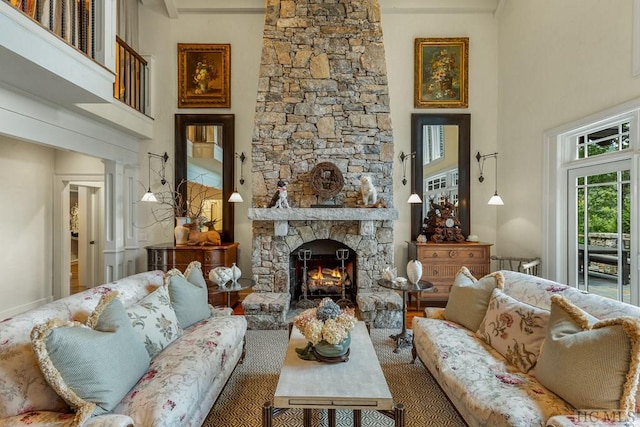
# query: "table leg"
{"points": [[404, 338], [357, 418], [398, 415], [306, 412], [228, 299], [267, 415], [331, 414]]}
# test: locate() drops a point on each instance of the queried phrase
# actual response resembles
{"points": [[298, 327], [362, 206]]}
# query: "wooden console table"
{"points": [[167, 256]]}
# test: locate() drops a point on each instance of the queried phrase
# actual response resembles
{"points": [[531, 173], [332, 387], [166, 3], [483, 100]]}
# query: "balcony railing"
{"points": [[71, 20], [132, 74], [74, 21]]}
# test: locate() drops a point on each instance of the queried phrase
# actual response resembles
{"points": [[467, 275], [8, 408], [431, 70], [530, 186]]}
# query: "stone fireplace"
{"points": [[322, 97]]}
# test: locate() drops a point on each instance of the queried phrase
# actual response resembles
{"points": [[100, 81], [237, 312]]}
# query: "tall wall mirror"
{"points": [[442, 145], [204, 156]]}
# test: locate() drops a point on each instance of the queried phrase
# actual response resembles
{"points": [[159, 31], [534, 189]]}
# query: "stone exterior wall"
{"points": [[322, 97]]}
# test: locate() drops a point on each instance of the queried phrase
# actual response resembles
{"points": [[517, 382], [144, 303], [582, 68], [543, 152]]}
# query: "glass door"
{"points": [[599, 229]]}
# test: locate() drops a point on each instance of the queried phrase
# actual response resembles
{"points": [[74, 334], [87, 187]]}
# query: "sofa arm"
{"points": [[220, 311], [59, 419], [589, 420], [434, 313]]}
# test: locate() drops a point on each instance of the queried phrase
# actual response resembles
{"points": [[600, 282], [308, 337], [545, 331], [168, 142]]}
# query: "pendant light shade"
{"points": [[149, 196], [496, 200], [414, 198], [235, 198]]}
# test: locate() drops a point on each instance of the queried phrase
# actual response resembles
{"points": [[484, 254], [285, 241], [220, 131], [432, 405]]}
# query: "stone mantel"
{"points": [[280, 217]]}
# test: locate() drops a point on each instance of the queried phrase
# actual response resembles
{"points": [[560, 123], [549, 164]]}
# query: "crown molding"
{"points": [[177, 7]]}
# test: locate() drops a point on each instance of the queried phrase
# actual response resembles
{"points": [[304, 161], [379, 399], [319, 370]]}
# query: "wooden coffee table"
{"points": [[356, 384]]}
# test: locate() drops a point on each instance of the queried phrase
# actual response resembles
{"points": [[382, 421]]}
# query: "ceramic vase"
{"points": [[181, 232], [235, 272], [414, 271]]}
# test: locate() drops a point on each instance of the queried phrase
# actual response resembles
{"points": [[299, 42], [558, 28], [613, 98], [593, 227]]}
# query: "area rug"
{"points": [[254, 382]]}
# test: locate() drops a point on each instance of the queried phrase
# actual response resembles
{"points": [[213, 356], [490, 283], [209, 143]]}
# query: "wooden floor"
{"points": [[413, 313], [74, 283]]}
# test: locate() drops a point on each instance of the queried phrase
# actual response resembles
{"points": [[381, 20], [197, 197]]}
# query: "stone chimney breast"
{"points": [[322, 97]]}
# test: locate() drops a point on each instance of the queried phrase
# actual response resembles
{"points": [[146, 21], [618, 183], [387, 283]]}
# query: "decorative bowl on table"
{"points": [[400, 281], [220, 275]]}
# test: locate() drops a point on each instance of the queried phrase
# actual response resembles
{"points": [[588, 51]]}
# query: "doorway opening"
{"points": [[78, 258]]}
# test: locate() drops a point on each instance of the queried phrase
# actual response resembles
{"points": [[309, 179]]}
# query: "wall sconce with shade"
{"points": [[235, 196], [495, 199], [149, 196], [413, 198]]}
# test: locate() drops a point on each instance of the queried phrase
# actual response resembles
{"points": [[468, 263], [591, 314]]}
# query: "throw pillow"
{"points": [[155, 321], [92, 367], [514, 329], [469, 298], [188, 294], [590, 365]]}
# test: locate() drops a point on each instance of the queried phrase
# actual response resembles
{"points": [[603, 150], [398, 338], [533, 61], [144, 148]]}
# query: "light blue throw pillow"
{"points": [[188, 294], [92, 367]]}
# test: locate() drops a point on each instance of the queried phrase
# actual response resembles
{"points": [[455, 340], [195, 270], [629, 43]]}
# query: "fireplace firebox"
{"points": [[320, 269]]}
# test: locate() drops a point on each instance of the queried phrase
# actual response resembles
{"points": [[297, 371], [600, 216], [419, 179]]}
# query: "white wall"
{"points": [[400, 31], [559, 61], [160, 35], [70, 163], [25, 225]]}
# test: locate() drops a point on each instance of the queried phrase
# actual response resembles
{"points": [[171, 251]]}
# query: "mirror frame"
{"points": [[463, 121], [227, 121]]}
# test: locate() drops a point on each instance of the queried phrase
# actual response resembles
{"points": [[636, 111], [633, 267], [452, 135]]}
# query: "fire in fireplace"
{"points": [[323, 268]]}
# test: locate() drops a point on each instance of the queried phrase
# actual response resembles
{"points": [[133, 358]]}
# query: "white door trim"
{"points": [[61, 217]]}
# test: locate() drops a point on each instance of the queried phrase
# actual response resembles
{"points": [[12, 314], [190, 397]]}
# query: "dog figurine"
{"points": [[279, 199], [369, 192]]}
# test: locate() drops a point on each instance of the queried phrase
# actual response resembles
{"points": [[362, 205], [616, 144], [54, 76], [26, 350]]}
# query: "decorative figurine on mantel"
{"points": [[369, 192], [279, 199], [441, 224]]}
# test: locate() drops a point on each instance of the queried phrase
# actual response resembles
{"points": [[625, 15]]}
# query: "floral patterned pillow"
{"points": [[514, 329], [155, 321]]}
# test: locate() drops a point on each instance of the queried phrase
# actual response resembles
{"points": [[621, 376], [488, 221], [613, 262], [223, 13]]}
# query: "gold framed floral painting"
{"points": [[204, 75], [441, 73]]}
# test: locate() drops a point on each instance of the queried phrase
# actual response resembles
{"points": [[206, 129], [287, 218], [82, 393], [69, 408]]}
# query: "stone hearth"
{"points": [[322, 97]]}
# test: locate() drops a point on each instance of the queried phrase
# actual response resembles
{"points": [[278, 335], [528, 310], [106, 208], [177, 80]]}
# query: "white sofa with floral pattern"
{"points": [[181, 384], [487, 390]]}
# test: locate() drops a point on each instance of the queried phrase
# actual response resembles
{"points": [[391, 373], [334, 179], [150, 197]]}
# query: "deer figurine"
{"points": [[202, 238]]}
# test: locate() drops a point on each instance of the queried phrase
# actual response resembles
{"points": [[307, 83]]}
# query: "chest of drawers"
{"points": [[167, 256], [441, 262]]}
